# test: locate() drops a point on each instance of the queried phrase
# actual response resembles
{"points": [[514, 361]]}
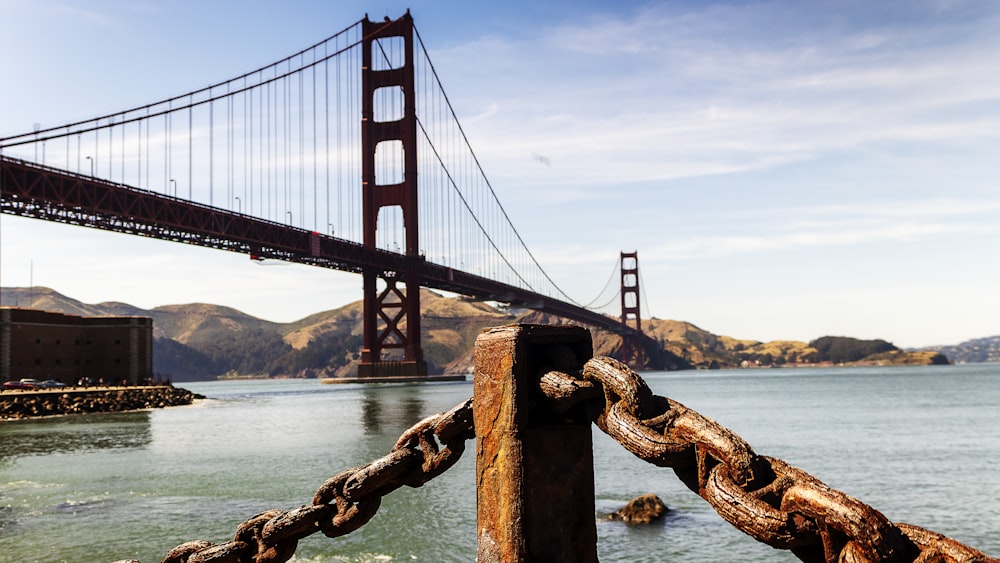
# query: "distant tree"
{"points": [[246, 352], [328, 351], [181, 362]]}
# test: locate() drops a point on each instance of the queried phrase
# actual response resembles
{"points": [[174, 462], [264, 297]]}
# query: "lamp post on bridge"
{"points": [[239, 205], [175, 186], [91, 165]]}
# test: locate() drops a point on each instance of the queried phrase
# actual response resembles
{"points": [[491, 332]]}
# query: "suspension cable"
{"points": [[43, 134], [614, 269], [466, 203], [614, 297], [451, 109], [643, 293]]}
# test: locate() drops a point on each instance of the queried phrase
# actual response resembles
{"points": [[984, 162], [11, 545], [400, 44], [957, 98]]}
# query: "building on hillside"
{"points": [[43, 345]]}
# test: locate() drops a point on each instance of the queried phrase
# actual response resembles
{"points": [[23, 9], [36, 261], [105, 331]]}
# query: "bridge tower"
{"points": [[392, 315], [632, 351]]}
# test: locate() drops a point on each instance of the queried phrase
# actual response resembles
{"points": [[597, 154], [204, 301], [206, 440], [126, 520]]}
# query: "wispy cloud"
{"points": [[842, 225], [657, 95], [780, 229], [714, 247]]}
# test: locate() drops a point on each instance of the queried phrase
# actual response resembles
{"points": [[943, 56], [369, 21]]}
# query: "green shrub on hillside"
{"points": [[842, 349]]}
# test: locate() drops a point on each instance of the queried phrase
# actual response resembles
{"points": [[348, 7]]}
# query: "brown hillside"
{"points": [[47, 299], [348, 318], [202, 340], [201, 322]]}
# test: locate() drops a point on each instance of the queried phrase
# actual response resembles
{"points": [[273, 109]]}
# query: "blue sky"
{"points": [[786, 170]]}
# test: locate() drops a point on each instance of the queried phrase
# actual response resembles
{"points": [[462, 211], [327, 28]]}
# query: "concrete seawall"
{"points": [[20, 404]]}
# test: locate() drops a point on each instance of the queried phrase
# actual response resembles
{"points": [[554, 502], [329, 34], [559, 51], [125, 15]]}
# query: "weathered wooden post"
{"points": [[534, 468]]}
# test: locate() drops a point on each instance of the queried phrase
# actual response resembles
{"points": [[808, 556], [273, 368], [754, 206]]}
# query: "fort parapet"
{"points": [[44, 345]]}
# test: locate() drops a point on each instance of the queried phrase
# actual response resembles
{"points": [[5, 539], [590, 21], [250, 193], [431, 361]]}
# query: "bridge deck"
{"points": [[42, 192]]}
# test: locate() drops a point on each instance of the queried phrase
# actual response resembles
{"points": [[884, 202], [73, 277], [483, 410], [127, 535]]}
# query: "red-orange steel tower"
{"points": [[386, 312], [632, 352]]}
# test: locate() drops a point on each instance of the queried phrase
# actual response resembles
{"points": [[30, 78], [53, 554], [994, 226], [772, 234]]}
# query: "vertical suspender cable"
{"points": [[302, 142], [302, 168], [190, 148], [211, 149], [124, 130], [340, 157], [229, 147], [315, 156], [138, 160], [111, 148], [282, 110], [326, 130], [280, 142], [167, 148], [248, 150], [353, 141], [264, 133], [166, 144], [265, 152]]}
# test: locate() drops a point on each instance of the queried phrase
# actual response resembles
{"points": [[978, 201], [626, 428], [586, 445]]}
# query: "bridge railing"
{"points": [[536, 391]]}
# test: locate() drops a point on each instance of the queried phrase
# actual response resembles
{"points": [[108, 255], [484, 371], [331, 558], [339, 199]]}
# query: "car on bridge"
{"points": [[23, 384], [51, 384]]}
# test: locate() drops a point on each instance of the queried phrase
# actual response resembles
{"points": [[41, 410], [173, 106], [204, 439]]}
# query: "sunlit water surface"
{"points": [[922, 445]]}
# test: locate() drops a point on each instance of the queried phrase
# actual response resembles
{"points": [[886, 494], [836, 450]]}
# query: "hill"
{"points": [[703, 349], [971, 351], [203, 341]]}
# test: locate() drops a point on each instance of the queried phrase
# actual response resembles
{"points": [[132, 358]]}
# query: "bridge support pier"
{"points": [[632, 351], [391, 316], [534, 469], [384, 315]]}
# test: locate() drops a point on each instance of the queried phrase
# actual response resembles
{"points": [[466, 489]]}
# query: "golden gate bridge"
{"points": [[345, 155]]}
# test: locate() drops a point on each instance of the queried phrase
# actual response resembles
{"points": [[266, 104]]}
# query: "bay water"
{"points": [[920, 444]]}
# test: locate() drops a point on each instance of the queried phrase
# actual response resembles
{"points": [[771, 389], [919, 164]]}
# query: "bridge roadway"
{"points": [[42, 192]]}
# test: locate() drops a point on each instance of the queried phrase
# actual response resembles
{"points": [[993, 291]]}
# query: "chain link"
{"points": [[346, 501], [764, 497]]}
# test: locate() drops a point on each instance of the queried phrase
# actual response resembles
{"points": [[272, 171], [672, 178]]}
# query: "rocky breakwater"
{"points": [[30, 404]]}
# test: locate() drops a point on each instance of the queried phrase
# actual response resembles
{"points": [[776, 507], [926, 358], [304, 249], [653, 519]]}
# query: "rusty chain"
{"points": [[346, 501], [763, 497]]}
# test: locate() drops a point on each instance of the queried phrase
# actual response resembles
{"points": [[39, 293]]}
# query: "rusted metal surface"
{"points": [[534, 469], [764, 497]]}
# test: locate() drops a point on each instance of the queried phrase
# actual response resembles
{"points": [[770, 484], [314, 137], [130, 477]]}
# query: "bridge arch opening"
{"points": [[390, 232], [388, 104], [388, 53], [389, 163]]}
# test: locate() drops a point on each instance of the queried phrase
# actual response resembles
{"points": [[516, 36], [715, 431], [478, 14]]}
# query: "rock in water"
{"points": [[642, 509]]}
